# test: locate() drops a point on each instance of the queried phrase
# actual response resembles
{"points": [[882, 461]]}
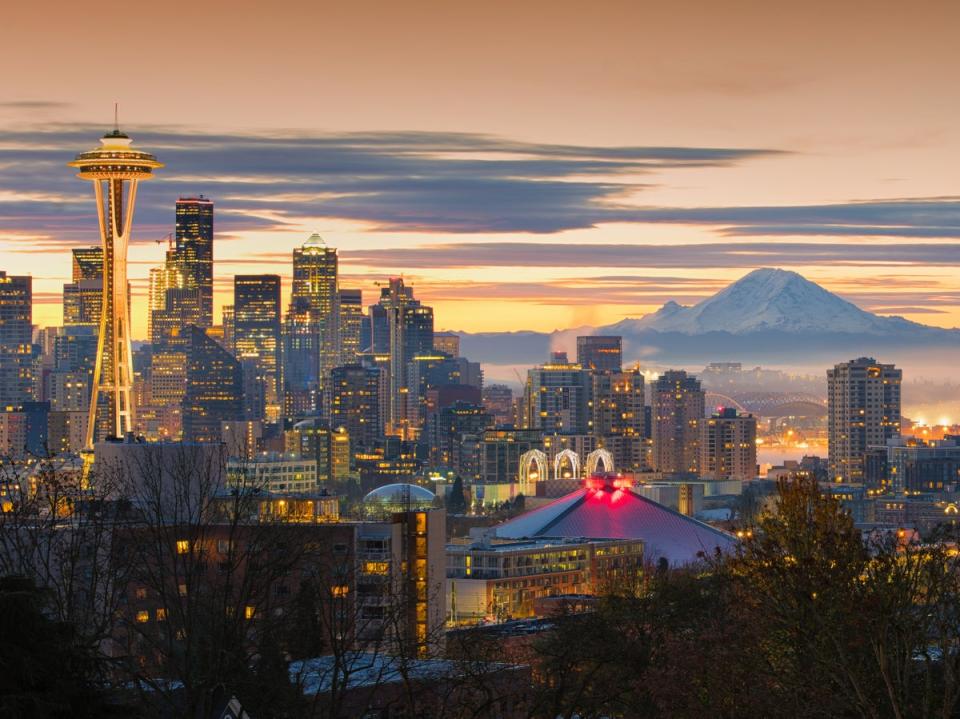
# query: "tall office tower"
{"points": [[677, 413], [351, 325], [16, 339], [353, 399], [556, 398], [214, 387], [83, 297], [600, 352], [300, 363], [194, 253], [864, 410], [116, 169], [728, 446], [409, 327], [617, 415], [256, 311], [447, 343], [314, 295]]}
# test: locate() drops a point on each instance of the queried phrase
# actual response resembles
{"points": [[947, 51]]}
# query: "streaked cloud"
{"points": [[705, 255]]}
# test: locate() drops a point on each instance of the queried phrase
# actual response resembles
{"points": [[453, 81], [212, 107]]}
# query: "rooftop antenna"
{"points": [[116, 118]]}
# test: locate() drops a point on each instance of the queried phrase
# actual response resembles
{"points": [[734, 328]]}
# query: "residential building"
{"points": [[863, 411]]}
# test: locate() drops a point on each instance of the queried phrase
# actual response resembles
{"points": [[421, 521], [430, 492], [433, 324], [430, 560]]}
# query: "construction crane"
{"points": [[168, 238]]}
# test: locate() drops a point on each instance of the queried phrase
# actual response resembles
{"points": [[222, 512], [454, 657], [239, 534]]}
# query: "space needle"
{"points": [[115, 168]]}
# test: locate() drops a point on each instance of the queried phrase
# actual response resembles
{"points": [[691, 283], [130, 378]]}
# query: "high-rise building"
{"points": [[87, 263], [354, 400], [83, 297], [213, 388], [300, 364], [446, 432], [409, 328], [728, 446], [617, 415], [557, 397], [351, 325], [600, 352], [677, 413], [16, 337], [863, 411], [256, 308], [115, 168], [194, 253], [315, 295], [162, 278], [330, 448]]}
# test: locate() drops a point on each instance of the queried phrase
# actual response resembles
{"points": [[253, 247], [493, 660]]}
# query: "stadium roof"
{"points": [[603, 510]]}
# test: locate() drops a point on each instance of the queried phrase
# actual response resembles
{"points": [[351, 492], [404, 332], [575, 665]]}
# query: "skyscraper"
{"points": [[556, 397], [256, 312], [600, 352], [213, 388], [617, 415], [314, 296], [354, 400], [115, 169], [87, 263], [409, 333], [728, 446], [83, 297], [194, 252], [351, 325], [863, 411], [677, 412], [16, 334]]}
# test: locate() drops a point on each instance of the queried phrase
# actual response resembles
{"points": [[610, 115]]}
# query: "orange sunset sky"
{"points": [[527, 165]]}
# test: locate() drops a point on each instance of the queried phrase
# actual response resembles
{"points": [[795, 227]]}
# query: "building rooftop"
{"points": [[607, 508]]}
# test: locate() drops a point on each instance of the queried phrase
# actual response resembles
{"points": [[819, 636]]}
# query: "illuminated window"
{"points": [[141, 593], [376, 567], [249, 611], [161, 614], [182, 589], [340, 590], [183, 546], [143, 617]]}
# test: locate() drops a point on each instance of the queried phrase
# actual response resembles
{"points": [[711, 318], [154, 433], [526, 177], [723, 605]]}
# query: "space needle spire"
{"points": [[115, 168]]}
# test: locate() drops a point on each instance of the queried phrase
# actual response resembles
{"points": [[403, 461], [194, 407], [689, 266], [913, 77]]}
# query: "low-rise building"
{"points": [[502, 580]]}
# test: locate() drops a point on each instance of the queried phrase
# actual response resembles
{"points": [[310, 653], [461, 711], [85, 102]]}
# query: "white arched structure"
{"points": [[572, 458], [597, 457], [533, 469]]}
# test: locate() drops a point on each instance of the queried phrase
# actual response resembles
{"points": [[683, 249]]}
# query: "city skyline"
{"points": [[832, 157]]}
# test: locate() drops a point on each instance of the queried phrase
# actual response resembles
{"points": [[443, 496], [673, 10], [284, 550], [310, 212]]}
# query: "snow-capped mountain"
{"points": [[769, 315], [766, 299]]}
